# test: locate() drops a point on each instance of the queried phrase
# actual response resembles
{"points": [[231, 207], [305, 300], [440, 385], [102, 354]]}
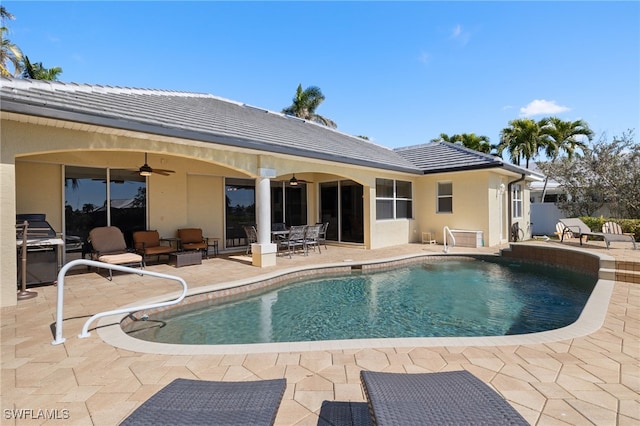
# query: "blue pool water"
{"points": [[446, 298]]}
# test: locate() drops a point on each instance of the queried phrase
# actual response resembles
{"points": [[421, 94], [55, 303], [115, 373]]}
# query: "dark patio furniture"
{"points": [[192, 239], [444, 398], [200, 402]]}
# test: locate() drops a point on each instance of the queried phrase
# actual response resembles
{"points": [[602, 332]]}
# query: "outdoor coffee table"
{"points": [[185, 258]]}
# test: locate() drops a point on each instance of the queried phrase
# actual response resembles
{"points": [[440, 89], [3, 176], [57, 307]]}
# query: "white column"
{"points": [[263, 252]]}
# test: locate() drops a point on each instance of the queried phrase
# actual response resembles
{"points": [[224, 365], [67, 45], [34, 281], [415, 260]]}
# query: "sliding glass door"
{"points": [[341, 205], [90, 202]]}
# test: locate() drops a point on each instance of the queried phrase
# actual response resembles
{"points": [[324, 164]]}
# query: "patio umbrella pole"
{"points": [[23, 293]]}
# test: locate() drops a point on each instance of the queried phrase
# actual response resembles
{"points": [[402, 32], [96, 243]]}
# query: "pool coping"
{"points": [[590, 320]]}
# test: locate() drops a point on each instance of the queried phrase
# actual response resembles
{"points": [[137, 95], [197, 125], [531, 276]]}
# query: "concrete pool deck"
{"points": [[593, 379]]}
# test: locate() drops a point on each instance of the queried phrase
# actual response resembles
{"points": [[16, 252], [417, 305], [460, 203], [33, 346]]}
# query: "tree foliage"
{"points": [[469, 140], [607, 172], [13, 63], [305, 103]]}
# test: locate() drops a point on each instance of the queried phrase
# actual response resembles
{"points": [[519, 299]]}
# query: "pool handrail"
{"points": [[446, 231], [85, 329]]}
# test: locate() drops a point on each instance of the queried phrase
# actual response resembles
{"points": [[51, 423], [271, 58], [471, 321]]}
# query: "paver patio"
{"points": [[593, 379]]}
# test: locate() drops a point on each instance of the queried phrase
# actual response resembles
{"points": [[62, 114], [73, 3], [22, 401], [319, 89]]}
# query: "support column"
{"points": [[264, 251]]}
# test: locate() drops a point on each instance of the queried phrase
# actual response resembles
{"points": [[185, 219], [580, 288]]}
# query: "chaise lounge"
{"points": [[580, 229], [444, 398], [202, 402]]}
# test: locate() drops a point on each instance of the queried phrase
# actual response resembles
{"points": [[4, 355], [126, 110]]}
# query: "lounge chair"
{"points": [[444, 398], [578, 227], [201, 402], [147, 243], [109, 247], [192, 239]]}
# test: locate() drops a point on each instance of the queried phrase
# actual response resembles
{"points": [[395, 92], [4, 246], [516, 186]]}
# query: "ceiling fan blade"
{"points": [[163, 171]]}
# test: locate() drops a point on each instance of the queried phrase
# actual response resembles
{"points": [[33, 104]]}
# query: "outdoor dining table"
{"points": [[275, 235]]}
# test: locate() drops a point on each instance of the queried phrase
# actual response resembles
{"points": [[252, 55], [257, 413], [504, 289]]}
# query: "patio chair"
{"points": [[192, 239], [294, 239], [451, 398], [109, 247], [201, 402], [322, 236], [312, 237], [578, 227], [252, 236], [147, 243]]}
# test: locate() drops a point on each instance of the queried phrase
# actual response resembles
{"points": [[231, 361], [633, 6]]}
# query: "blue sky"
{"points": [[400, 73]]}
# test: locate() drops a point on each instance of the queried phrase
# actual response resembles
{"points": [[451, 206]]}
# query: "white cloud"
{"points": [[542, 107], [460, 35]]}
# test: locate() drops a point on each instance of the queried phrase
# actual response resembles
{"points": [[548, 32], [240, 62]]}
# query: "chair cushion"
{"points": [[190, 235], [146, 239], [194, 246], [107, 239], [122, 258]]}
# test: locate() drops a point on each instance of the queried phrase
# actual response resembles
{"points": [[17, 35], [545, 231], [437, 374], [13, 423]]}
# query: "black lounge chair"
{"points": [[199, 402], [445, 398]]}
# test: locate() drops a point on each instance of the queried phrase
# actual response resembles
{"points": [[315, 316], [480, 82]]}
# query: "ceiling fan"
{"points": [[295, 182], [146, 170]]}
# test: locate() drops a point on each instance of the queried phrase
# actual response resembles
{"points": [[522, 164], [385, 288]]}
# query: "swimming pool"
{"points": [[429, 299]]}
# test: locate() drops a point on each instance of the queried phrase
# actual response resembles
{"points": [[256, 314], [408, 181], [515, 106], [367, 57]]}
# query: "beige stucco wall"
{"points": [[34, 151]]}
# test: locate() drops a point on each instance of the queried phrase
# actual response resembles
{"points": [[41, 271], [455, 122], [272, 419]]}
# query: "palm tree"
{"points": [[523, 139], [305, 103], [9, 52], [475, 142], [38, 72], [468, 140], [563, 136]]}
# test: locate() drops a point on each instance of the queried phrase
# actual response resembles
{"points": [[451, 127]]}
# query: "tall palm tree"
{"points": [[522, 139], [305, 103], [10, 54], [563, 136], [38, 72]]}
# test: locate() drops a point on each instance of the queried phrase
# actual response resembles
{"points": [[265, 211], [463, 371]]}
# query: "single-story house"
{"points": [[70, 150]]}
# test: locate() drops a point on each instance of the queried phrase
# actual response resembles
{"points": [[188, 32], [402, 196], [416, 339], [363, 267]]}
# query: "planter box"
{"points": [[185, 258]]}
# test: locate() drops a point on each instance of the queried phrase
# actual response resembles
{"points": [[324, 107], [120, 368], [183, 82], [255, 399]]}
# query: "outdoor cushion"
{"points": [[200, 402]]}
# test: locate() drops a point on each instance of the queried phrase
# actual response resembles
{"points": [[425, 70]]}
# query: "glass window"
{"points": [[445, 197], [517, 200], [393, 199], [384, 188]]}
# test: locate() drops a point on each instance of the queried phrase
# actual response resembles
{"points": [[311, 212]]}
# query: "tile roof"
{"points": [[194, 116], [438, 157]]}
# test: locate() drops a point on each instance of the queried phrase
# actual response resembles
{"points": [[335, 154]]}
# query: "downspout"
{"points": [[509, 203]]}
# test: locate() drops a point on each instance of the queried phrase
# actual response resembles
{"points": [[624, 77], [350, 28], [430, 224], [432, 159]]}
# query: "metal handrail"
{"points": [[446, 231], [85, 329]]}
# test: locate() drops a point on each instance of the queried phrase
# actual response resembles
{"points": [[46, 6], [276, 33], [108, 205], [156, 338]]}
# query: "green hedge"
{"points": [[627, 225]]}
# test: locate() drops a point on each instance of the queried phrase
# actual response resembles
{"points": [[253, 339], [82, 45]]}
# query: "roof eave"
{"points": [[221, 139]]}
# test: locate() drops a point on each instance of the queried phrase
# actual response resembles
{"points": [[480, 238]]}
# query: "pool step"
{"points": [[627, 271]]}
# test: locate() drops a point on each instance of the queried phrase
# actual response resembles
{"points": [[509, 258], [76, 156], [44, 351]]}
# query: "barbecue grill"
{"points": [[43, 249]]}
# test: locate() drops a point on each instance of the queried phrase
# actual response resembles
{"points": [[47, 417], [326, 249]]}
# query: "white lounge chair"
{"points": [[579, 228]]}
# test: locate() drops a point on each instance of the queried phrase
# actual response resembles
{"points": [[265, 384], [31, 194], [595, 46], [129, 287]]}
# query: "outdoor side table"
{"points": [[212, 242], [185, 258]]}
